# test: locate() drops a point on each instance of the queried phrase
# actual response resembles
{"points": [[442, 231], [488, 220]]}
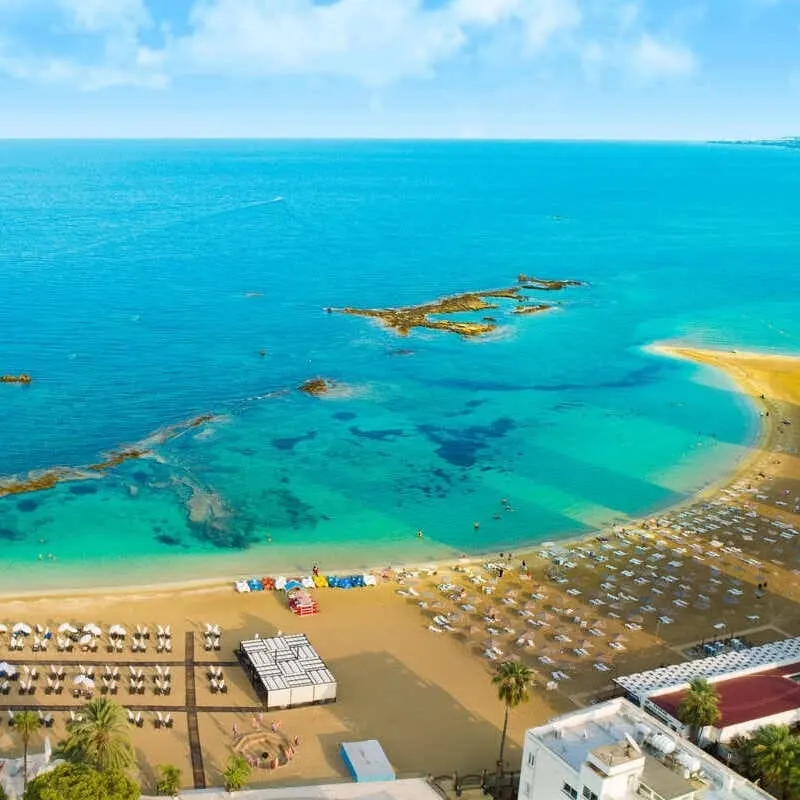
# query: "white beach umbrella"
{"points": [[117, 630], [280, 583], [6, 668], [21, 627], [66, 627], [3, 628], [85, 639], [90, 627], [79, 680]]}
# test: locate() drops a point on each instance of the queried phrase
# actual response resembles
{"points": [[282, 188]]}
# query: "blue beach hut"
{"points": [[366, 761]]}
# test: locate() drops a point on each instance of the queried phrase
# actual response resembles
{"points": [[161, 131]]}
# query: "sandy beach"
{"points": [[413, 656]]}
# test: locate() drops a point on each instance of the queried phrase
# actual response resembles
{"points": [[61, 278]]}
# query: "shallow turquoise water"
{"points": [[126, 272]]}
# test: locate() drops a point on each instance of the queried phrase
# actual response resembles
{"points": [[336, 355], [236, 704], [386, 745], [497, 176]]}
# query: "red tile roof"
{"points": [[746, 699]]}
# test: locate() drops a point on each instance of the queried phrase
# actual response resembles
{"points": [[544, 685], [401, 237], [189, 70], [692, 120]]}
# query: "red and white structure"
{"points": [[759, 686]]}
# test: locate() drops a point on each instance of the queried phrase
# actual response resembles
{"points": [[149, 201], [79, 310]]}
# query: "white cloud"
{"points": [[107, 16], [373, 42], [651, 59]]}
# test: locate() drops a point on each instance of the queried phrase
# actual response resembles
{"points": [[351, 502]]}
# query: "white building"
{"points": [[616, 751]]}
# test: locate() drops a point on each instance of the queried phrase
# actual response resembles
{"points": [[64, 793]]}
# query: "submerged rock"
{"points": [[316, 387], [24, 378], [47, 479]]}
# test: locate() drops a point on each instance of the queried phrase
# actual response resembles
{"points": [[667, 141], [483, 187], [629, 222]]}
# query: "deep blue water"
{"points": [[140, 280]]}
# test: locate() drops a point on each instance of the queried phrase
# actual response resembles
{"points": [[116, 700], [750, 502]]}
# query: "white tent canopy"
{"points": [[287, 671]]}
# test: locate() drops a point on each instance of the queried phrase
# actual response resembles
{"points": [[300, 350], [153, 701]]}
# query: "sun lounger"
{"points": [[435, 629]]}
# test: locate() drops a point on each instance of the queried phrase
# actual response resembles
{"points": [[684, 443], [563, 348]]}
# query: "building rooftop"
{"points": [[605, 731], [407, 789], [747, 698], [664, 679], [666, 783]]}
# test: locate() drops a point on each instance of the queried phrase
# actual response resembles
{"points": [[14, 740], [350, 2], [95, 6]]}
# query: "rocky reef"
{"points": [[532, 309], [315, 387], [24, 379], [404, 319], [545, 284], [47, 479]]}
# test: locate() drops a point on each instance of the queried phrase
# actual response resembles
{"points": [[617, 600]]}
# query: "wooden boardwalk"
{"points": [[189, 707], [195, 751]]}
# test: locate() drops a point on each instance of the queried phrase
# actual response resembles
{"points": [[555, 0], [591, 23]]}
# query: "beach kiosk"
{"points": [[286, 671], [367, 761]]}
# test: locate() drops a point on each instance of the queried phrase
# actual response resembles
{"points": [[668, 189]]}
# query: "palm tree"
{"points": [[512, 680], [699, 707], [776, 757], [99, 737], [26, 723], [169, 780]]}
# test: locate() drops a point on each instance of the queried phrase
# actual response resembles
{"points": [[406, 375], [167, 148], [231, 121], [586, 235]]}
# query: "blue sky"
{"points": [[623, 69]]}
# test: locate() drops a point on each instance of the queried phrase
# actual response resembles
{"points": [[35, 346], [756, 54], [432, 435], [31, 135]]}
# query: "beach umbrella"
{"points": [[3, 629], [280, 583], [117, 630], [79, 680], [90, 627], [66, 627], [7, 669], [21, 627], [85, 639]]}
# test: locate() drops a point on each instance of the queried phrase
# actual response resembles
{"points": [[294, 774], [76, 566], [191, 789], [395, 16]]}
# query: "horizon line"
{"points": [[566, 139]]}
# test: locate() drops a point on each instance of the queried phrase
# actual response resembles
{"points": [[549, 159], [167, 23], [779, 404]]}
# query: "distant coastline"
{"points": [[786, 142]]}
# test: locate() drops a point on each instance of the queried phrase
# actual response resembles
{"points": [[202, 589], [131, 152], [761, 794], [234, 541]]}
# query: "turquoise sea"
{"points": [[141, 280]]}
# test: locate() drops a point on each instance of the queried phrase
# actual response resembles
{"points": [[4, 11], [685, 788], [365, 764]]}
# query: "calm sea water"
{"points": [[141, 280]]}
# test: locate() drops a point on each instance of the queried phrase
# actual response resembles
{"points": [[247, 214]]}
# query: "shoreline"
{"points": [[723, 361]]}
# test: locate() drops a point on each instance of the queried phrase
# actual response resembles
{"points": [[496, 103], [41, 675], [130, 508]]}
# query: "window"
{"points": [[531, 759], [589, 794], [526, 789], [570, 791]]}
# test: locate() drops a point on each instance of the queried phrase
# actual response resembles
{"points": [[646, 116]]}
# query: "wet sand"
{"points": [[413, 656]]}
